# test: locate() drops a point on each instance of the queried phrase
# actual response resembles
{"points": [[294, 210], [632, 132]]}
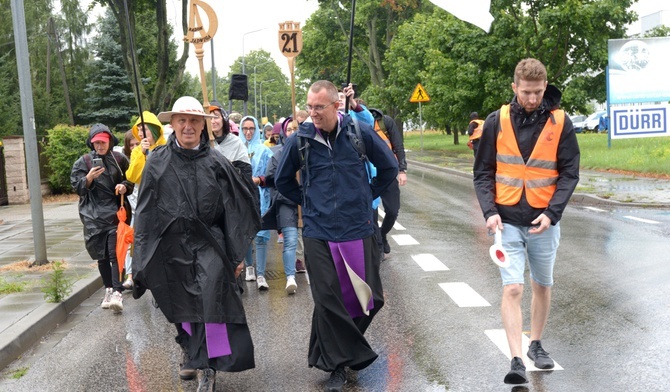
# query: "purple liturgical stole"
{"points": [[216, 337], [351, 253]]}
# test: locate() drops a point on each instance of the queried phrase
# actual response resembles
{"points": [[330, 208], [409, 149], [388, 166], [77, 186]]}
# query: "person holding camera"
{"points": [[99, 179]]}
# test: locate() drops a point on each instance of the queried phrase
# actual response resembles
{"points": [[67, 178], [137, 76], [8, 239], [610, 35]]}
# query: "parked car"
{"points": [[577, 122], [592, 121]]}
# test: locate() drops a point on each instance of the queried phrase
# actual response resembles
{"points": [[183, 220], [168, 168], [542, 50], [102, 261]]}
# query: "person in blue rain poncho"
{"points": [[259, 155]]}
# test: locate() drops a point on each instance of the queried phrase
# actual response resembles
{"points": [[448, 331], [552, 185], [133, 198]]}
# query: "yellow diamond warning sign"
{"points": [[419, 94]]}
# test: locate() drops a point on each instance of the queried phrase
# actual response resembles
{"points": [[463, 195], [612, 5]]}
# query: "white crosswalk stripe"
{"points": [[429, 262], [404, 239], [463, 295]]}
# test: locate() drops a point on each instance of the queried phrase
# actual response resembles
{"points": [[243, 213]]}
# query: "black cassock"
{"points": [[195, 219], [337, 338]]}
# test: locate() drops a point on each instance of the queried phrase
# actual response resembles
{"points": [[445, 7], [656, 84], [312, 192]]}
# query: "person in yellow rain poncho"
{"points": [[150, 135]]}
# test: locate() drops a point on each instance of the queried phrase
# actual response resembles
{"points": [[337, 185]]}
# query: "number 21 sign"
{"points": [[290, 38]]}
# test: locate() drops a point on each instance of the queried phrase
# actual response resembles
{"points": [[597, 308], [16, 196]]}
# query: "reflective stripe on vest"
{"points": [[477, 133], [539, 175]]}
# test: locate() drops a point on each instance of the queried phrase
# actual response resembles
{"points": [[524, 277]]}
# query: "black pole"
{"points": [[351, 49], [134, 61]]}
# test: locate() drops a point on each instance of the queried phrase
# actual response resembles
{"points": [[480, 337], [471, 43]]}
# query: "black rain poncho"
{"points": [[195, 216], [99, 203]]}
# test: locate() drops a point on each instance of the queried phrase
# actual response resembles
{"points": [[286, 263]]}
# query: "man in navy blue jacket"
{"points": [[341, 255]]}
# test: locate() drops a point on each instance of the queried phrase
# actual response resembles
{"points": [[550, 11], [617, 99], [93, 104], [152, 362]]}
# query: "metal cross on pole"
{"points": [[195, 26]]}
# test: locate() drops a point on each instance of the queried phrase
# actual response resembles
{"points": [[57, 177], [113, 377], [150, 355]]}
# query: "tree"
{"points": [[326, 42], [109, 96], [465, 69], [168, 71], [276, 87]]}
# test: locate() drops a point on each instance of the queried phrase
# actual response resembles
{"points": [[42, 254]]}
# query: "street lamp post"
{"points": [[266, 106], [243, 54], [261, 94], [256, 100]]}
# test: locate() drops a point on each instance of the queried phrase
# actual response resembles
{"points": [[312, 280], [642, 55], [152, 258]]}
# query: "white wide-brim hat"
{"points": [[184, 105]]}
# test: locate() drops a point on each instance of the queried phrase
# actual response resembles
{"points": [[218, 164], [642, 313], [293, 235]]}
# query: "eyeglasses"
{"points": [[248, 129], [318, 108]]}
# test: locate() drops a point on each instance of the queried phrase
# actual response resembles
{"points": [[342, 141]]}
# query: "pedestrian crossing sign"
{"points": [[419, 94]]}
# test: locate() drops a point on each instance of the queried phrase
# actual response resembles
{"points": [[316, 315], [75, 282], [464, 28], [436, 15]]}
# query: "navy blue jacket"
{"points": [[337, 203]]}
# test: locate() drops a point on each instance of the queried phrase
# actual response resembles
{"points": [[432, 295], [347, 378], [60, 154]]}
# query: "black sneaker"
{"points": [[387, 247], [336, 381], [517, 374], [207, 380], [541, 357]]}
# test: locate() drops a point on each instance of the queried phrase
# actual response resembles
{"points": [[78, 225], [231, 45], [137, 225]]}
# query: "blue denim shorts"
{"points": [[539, 249]]}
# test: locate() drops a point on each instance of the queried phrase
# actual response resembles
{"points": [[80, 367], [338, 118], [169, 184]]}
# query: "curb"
{"points": [[581, 198], [440, 168], [21, 336]]}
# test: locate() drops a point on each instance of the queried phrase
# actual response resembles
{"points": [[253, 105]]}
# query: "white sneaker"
{"points": [[108, 297], [251, 274], [116, 303], [261, 283], [291, 286], [128, 284]]}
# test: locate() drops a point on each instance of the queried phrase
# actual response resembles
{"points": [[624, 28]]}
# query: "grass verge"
{"points": [[648, 157]]}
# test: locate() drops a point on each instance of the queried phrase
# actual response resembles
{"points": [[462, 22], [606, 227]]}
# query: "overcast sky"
{"points": [[238, 17]]}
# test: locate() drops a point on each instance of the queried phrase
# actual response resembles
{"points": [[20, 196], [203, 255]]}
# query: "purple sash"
{"points": [[352, 253], [216, 337]]}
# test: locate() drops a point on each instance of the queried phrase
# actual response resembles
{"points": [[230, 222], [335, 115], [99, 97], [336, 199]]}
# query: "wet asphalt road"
{"points": [[608, 330]]}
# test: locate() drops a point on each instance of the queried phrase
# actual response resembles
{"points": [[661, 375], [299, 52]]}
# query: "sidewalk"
{"points": [[26, 317]]}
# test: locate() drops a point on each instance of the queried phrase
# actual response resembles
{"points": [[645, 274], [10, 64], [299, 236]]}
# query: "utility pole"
{"points": [[30, 136]]}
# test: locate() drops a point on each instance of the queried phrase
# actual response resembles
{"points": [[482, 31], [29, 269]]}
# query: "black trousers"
{"points": [[391, 203], [109, 267]]}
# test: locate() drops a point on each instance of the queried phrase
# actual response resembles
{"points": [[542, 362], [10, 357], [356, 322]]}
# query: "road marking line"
{"points": [[464, 295], [398, 226], [404, 239], [499, 338], [381, 213], [595, 209], [653, 222], [429, 262]]}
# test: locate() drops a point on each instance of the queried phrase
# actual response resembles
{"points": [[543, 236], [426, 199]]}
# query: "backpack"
{"points": [[355, 138]]}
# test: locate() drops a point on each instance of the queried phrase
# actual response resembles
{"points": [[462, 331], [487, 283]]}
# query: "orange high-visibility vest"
{"points": [[382, 135], [539, 175], [477, 133]]}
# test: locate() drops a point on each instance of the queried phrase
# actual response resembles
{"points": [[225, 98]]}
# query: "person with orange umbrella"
{"points": [[97, 177]]}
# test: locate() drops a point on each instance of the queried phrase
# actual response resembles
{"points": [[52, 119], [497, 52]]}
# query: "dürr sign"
{"points": [[632, 121]]}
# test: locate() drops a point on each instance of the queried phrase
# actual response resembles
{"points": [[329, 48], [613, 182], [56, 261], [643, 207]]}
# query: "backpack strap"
{"points": [[356, 139], [303, 152]]}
